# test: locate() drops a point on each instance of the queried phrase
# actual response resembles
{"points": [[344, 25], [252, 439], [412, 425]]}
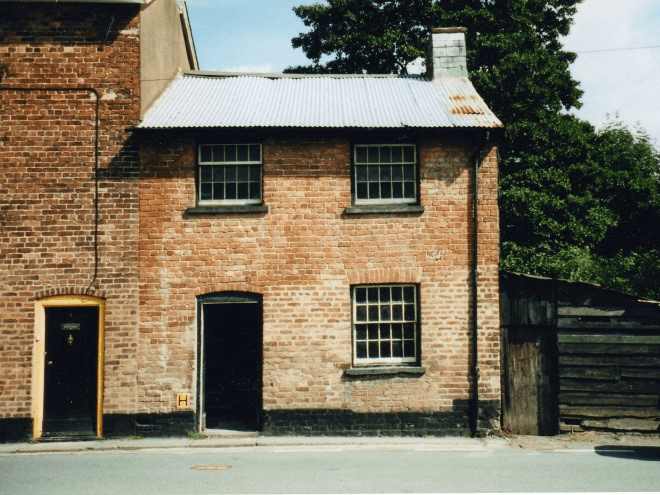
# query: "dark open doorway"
{"points": [[231, 361], [70, 376]]}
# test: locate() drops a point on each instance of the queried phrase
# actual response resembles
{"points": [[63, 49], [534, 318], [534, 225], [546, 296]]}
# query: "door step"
{"points": [[67, 437]]}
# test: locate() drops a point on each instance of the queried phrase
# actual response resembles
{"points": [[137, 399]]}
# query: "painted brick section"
{"points": [[62, 67], [302, 256]]}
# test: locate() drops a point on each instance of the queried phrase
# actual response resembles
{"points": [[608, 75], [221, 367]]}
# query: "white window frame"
{"points": [[220, 163], [379, 200], [370, 316]]}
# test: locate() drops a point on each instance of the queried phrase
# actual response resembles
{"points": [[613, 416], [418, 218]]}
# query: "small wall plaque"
{"points": [[68, 327], [181, 401]]}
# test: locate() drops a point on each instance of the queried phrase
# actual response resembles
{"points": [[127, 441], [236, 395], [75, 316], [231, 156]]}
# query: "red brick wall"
{"points": [[51, 58], [302, 256]]}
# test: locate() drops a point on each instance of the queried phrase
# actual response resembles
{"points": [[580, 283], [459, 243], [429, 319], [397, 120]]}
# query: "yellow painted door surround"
{"points": [[39, 356]]}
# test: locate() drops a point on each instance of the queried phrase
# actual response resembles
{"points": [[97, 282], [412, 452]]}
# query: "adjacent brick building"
{"points": [[294, 254], [74, 78]]}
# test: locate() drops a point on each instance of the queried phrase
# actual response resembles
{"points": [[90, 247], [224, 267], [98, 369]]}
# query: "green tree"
{"points": [[574, 203], [591, 213]]}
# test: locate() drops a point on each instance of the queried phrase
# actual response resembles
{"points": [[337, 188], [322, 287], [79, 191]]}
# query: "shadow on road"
{"points": [[629, 452]]}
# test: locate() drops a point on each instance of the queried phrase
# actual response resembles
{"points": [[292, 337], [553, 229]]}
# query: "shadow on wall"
{"points": [[625, 452], [68, 24]]}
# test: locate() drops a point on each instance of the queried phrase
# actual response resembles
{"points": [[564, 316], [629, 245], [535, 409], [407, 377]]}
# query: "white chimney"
{"points": [[447, 53]]}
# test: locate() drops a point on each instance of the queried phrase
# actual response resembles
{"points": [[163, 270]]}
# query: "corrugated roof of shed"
{"points": [[200, 99]]}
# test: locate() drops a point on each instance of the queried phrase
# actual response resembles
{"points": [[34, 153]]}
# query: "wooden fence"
{"points": [[599, 355]]}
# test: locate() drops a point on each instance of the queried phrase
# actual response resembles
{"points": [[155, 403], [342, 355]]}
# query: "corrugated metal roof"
{"points": [[200, 99]]}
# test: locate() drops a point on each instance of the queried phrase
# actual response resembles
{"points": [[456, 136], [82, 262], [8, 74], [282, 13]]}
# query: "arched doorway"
{"points": [[230, 361]]}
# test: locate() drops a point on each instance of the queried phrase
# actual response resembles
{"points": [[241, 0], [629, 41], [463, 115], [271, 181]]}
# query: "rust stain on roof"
{"points": [[464, 106]]}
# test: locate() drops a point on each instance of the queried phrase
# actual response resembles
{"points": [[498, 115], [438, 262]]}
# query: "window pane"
{"points": [[230, 191], [360, 154], [206, 153], [218, 191], [385, 350], [361, 313], [385, 190], [373, 332], [373, 350], [373, 313], [206, 174], [397, 172], [360, 294], [409, 154], [242, 190], [372, 294], [218, 153], [230, 172], [255, 172], [242, 153], [396, 294], [397, 312], [384, 293], [397, 190], [206, 191], [230, 152], [361, 350], [397, 331], [409, 294], [218, 173], [361, 191], [409, 172], [360, 332], [374, 190], [408, 190], [409, 331], [373, 154], [385, 314], [385, 154], [408, 348], [385, 332], [255, 153], [361, 173], [409, 313], [243, 173], [386, 173], [397, 349], [255, 190], [373, 173], [397, 154]]}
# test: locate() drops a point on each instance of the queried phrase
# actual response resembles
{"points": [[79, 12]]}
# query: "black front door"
{"points": [[232, 371], [70, 381]]}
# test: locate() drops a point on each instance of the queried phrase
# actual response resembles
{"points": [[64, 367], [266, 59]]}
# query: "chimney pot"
{"points": [[447, 53]]}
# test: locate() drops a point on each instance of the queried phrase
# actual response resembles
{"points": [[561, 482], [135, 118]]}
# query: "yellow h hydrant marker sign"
{"points": [[181, 401]]}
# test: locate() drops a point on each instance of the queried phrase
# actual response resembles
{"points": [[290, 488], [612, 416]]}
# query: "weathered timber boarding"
{"points": [[608, 347], [529, 358]]}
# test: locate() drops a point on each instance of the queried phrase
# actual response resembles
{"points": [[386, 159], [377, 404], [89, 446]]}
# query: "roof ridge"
{"points": [[281, 75]]}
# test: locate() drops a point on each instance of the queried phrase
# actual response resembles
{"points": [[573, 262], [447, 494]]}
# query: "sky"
{"points": [[619, 74]]}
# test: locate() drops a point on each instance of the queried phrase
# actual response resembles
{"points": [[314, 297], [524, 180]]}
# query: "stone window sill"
{"points": [[380, 209], [216, 209], [385, 370]]}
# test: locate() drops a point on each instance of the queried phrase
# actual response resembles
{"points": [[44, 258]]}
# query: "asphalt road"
{"points": [[330, 470]]}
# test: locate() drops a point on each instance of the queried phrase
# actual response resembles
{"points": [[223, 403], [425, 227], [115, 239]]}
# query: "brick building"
{"points": [[294, 254], [74, 79]]}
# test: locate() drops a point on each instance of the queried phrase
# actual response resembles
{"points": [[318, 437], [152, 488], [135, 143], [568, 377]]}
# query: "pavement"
{"points": [[223, 439]]}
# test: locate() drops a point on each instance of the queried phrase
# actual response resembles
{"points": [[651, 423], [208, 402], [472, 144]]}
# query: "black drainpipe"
{"points": [[474, 289], [96, 162]]}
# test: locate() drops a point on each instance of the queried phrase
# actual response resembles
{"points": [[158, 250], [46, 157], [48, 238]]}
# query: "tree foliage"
{"points": [[574, 203]]}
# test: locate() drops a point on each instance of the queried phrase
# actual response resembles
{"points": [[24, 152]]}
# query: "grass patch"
{"points": [[196, 436]]}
